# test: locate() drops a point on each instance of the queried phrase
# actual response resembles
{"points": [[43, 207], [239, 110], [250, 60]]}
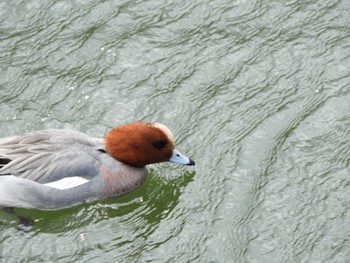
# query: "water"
{"points": [[257, 92]]}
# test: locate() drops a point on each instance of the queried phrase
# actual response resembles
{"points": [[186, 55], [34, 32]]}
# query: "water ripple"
{"points": [[256, 91]]}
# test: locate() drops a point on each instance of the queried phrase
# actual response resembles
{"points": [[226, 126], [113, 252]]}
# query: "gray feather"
{"points": [[29, 161]]}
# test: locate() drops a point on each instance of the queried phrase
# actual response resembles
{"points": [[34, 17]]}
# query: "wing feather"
{"points": [[50, 155]]}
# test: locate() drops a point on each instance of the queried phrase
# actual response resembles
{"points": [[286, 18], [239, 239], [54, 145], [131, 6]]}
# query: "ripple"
{"points": [[257, 92]]}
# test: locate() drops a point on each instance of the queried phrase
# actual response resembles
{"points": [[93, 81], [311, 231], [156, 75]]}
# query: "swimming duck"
{"points": [[55, 169]]}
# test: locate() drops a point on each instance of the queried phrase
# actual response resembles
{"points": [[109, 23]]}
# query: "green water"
{"points": [[257, 92]]}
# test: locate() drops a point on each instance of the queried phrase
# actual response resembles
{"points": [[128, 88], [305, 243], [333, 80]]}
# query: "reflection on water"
{"points": [[256, 91]]}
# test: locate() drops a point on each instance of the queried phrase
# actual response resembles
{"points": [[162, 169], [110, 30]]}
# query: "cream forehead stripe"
{"points": [[166, 130]]}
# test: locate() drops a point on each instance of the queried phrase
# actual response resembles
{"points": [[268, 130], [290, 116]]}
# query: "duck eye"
{"points": [[159, 144]]}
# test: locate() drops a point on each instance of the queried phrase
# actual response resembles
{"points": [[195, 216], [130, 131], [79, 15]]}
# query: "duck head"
{"points": [[141, 143]]}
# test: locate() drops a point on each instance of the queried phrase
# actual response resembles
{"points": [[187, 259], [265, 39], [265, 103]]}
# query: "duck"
{"points": [[60, 168]]}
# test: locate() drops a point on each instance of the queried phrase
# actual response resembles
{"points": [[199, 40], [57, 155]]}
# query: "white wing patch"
{"points": [[68, 182]]}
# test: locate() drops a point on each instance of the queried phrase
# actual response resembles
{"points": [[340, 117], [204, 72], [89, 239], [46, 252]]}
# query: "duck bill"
{"points": [[179, 158]]}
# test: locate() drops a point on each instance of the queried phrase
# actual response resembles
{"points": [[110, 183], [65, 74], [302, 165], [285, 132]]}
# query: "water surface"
{"points": [[257, 92]]}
